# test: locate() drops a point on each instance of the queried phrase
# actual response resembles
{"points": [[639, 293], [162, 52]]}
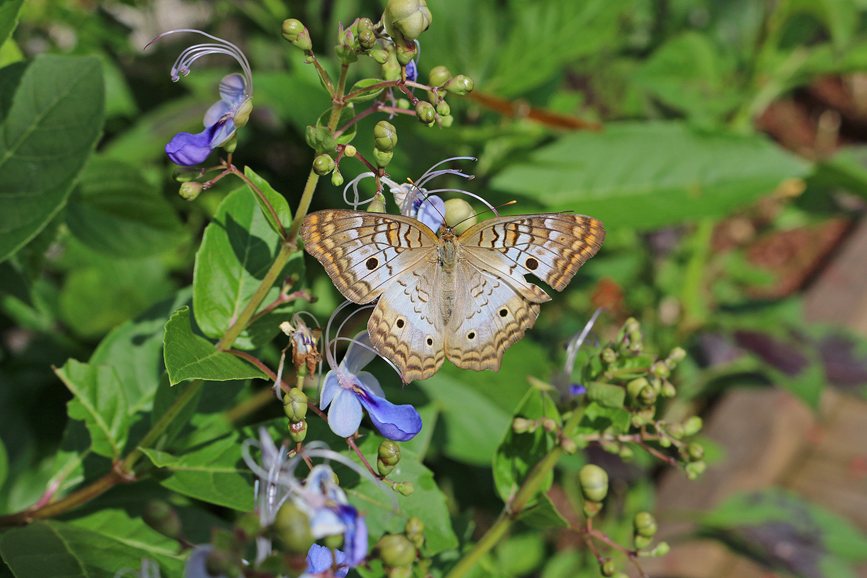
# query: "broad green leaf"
{"points": [[347, 114], [49, 549], [121, 525], [472, 424], [846, 168], [605, 394], [363, 92], [427, 503], [8, 17], [115, 211], [543, 514], [68, 468], [100, 402], [598, 418], [277, 201], [518, 453], [520, 554], [647, 175], [213, 472], [189, 356], [49, 127], [134, 349]]}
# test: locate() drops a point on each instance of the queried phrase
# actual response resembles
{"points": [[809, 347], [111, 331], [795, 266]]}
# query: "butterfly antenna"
{"points": [[490, 209]]}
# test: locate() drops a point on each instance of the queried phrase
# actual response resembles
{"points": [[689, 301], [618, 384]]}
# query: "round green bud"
{"points": [[298, 430], [291, 527], [403, 103], [647, 396], [243, 113], [569, 446], [677, 355], [668, 389], [382, 159], [694, 452], [367, 39], [548, 424], [336, 178], [378, 203], [383, 468], [297, 34], [159, 515], [389, 452], [415, 531], [405, 55], [520, 425], [406, 19], [665, 442], [249, 525], [594, 482], [189, 191], [460, 215], [295, 404], [439, 75], [635, 388], [443, 108], [620, 575], [345, 53], [459, 85], [608, 568], [661, 549], [675, 430], [644, 524], [186, 174], [659, 369], [384, 136], [692, 426], [425, 112], [323, 164], [591, 508], [400, 572], [641, 542], [626, 453], [396, 550], [350, 151], [380, 56], [364, 24], [230, 145], [447, 121], [608, 355], [405, 488], [694, 470]]}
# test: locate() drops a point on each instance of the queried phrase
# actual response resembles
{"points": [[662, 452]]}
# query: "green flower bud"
{"points": [[694, 470], [367, 39], [594, 482], [406, 54], [391, 68], [443, 108], [189, 191], [591, 508], [425, 112], [230, 145], [569, 446], [291, 527], [382, 159], [665, 442], [694, 452], [406, 19], [635, 388], [389, 452], [447, 121], [323, 164], [677, 355], [692, 426], [345, 53], [400, 572], [460, 85], [378, 204], [608, 568], [548, 424], [297, 34], [620, 575], [661, 549], [403, 103], [186, 174], [159, 515], [396, 550], [405, 488], [384, 136], [675, 430], [415, 531], [350, 151], [641, 542], [647, 396], [383, 468], [336, 178], [298, 430], [320, 138], [380, 56], [659, 369], [295, 404], [608, 355], [644, 524], [243, 114], [439, 75], [249, 525], [520, 425]]}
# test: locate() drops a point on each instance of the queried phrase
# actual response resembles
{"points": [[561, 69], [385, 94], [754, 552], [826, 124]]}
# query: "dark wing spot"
{"points": [[400, 323], [371, 263], [429, 341], [531, 264], [471, 335], [504, 312]]}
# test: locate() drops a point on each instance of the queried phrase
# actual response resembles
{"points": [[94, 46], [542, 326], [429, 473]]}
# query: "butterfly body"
{"points": [[463, 297]]}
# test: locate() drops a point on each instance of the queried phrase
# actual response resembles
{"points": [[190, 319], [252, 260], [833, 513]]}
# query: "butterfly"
{"points": [[463, 297]]}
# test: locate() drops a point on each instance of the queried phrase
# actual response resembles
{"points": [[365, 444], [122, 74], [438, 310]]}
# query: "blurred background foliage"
{"points": [[720, 141]]}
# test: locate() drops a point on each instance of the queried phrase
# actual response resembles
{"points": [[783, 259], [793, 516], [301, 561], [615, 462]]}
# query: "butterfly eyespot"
{"points": [[531, 264], [429, 340], [400, 323], [371, 263], [504, 312], [471, 335]]}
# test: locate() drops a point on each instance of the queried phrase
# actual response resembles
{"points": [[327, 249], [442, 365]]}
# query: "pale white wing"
{"points": [[489, 316], [363, 252], [406, 325], [551, 246]]}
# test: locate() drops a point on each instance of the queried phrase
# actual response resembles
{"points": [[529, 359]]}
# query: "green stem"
{"points": [[303, 206], [695, 311], [529, 490]]}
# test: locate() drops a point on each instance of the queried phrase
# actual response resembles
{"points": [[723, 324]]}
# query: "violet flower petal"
{"points": [[344, 417], [395, 422]]}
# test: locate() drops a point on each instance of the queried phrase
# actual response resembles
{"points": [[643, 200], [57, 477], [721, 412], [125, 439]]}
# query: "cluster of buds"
{"points": [[295, 408], [398, 552], [384, 141]]}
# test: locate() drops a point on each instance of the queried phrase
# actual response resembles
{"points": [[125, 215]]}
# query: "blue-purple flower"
{"points": [[348, 390], [320, 560], [225, 116]]}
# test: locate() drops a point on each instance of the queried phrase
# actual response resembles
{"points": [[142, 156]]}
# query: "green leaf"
{"points": [[4, 463], [364, 95], [46, 549], [189, 356], [120, 525], [8, 17], [347, 114], [115, 211], [214, 472], [543, 515], [846, 168], [277, 201], [597, 418], [520, 554], [472, 440], [75, 448], [49, 127], [134, 349], [427, 503], [647, 175], [237, 251], [99, 401], [605, 394], [520, 452]]}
